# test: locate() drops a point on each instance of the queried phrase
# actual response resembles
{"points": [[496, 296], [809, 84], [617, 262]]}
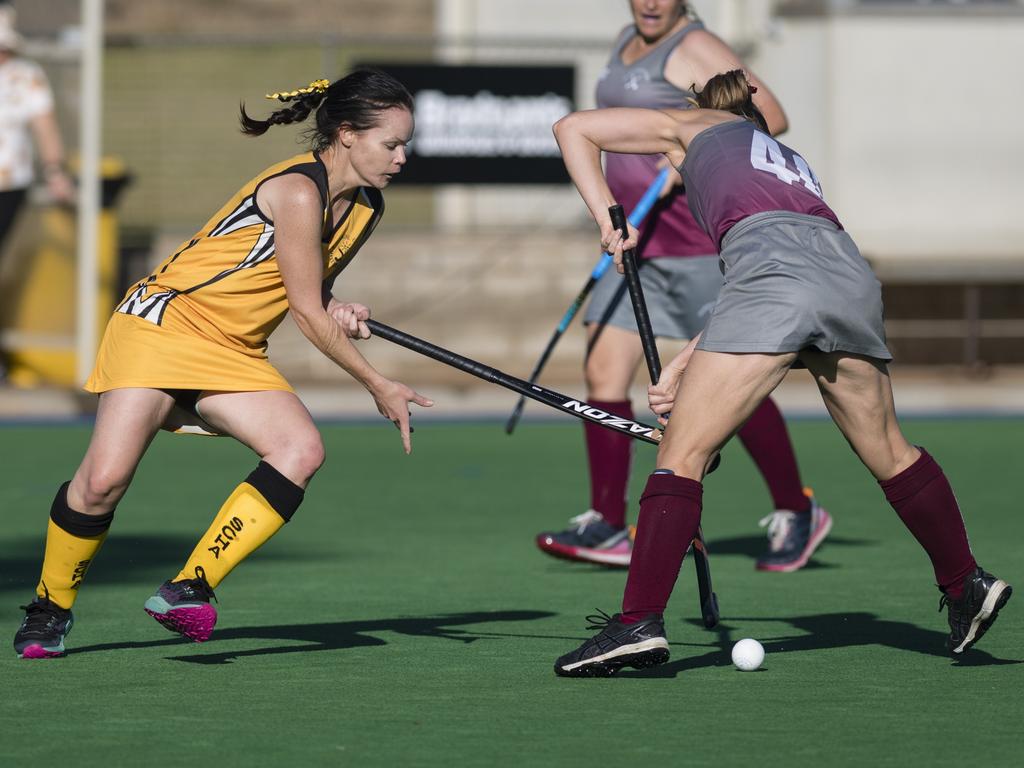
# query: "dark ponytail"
{"points": [[731, 92], [355, 100]]}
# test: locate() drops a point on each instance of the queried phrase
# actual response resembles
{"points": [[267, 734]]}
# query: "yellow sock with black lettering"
{"points": [[253, 513], [72, 541]]}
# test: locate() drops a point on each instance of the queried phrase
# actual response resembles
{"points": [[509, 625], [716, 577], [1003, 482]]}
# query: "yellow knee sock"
{"points": [[72, 541], [253, 513]]}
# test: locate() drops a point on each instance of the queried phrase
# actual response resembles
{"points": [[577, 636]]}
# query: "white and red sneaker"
{"points": [[793, 537], [589, 539]]}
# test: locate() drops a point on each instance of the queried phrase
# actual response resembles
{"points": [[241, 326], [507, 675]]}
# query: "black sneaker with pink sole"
{"points": [[793, 537]]}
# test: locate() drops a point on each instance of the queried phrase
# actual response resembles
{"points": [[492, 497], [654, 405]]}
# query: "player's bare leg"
{"points": [[275, 425], [858, 394], [717, 394], [126, 422], [612, 360]]}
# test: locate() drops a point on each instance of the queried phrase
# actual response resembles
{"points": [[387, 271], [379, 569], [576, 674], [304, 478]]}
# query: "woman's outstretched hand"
{"points": [[393, 398], [662, 396]]}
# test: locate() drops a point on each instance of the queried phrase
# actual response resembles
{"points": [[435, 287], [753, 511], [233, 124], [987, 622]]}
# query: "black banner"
{"points": [[485, 124]]}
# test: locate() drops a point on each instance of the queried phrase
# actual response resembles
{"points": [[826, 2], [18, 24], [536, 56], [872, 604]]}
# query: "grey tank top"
{"points": [[670, 230], [642, 83]]}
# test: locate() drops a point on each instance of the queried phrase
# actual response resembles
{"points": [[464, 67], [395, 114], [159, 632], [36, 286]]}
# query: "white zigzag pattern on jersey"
{"points": [[244, 215], [152, 307]]}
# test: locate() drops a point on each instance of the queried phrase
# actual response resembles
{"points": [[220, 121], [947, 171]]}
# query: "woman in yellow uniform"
{"points": [[186, 350]]}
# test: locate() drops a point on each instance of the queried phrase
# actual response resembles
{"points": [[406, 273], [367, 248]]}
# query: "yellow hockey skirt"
{"points": [[136, 353]]}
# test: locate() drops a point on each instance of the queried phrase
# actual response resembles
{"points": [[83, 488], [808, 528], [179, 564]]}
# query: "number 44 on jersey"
{"points": [[766, 154]]}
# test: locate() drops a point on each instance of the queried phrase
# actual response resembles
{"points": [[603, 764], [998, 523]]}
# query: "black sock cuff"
{"points": [[280, 492], [77, 523]]}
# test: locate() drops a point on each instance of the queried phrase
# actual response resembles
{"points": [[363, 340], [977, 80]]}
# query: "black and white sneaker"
{"points": [[976, 610], [617, 645]]}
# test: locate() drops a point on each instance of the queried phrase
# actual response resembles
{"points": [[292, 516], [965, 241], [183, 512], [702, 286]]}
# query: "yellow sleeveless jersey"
{"points": [[202, 319]]}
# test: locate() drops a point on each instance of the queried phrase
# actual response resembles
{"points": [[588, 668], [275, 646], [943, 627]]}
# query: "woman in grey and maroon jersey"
{"points": [[797, 291], [652, 65]]}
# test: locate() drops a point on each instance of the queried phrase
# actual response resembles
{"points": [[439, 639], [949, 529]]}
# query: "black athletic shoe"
{"points": [[617, 645], [42, 633], [971, 616]]}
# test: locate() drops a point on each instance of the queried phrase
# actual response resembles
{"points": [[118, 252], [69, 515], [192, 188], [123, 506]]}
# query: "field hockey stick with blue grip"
{"points": [[708, 599], [639, 213]]}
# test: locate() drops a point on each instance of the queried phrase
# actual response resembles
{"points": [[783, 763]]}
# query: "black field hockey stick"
{"points": [[643, 207], [708, 599], [560, 402]]}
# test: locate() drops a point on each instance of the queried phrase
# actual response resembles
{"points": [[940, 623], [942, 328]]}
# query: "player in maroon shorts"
{"points": [[654, 62], [797, 291]]}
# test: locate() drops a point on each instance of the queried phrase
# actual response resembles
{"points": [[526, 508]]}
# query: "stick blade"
{"points": [[709, 612]]}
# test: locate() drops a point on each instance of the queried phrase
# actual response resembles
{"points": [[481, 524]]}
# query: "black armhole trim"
{"points": [[376, 200], [376, 203], [315, 171]]}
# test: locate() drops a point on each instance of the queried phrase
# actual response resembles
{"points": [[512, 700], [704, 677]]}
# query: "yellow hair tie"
{"points": [[317, 86]]}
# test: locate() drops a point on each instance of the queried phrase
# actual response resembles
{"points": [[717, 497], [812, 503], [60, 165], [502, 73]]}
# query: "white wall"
{"points": [[927, 134], [912, 122], [911, 119]]}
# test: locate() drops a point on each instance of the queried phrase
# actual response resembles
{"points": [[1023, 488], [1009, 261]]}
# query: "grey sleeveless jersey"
{"points": [[642, 83], [671, 230], [733, 171]]}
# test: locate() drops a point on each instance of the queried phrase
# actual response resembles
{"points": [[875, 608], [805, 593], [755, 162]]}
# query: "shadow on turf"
{"points": [[754, 546], [330, 636], [827, 631], [749, 546], [126, 559]]}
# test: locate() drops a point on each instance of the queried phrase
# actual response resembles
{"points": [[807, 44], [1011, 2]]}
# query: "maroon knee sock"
{"points": [[767, 441], [610, 454], [669, 517], [922, 498]]}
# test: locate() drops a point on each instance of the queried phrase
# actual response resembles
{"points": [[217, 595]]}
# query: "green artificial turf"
{"points": [[405, 618]]}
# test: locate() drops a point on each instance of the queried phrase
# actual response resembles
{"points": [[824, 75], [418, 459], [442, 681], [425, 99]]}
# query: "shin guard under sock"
{"points": [[72, 541], [253, 513], [670, 510], [924, 500], [609, 454]]}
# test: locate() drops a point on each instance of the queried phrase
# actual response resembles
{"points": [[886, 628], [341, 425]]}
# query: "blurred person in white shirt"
{"points": [[26, 114]]}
